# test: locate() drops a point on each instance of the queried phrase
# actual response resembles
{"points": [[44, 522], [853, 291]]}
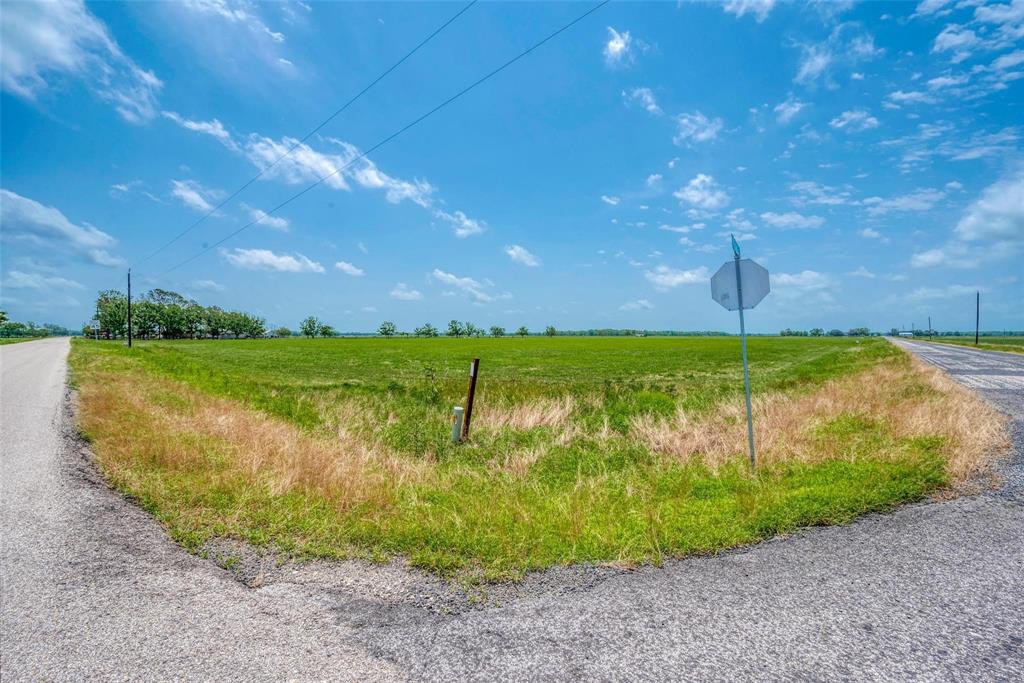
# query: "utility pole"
{"points": [[977, 315], [129, 308], [743, 346], [929, 327]]}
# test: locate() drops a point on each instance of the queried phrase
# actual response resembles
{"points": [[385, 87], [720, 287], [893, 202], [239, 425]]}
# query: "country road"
{"points": [[93, 588]]}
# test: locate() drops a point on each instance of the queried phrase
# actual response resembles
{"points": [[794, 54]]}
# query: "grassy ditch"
{"points": [[608, 450], [1012, 344]]}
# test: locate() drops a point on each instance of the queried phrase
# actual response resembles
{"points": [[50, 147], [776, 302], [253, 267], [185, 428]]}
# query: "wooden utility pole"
{"points": [[474, 370], [129, 308], [977, 315], [929, 327]]}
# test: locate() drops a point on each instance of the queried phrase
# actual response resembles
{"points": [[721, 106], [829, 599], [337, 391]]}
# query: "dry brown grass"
{"points": [[128, 413], [909, 399], [543, 412]]}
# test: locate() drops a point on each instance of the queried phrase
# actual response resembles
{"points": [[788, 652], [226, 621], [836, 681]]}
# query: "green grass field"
{"points": [[1014, 344], [15, 340], [340, 447]]}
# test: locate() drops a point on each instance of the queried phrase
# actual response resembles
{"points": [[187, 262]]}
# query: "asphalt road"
{"points": [[92, 587]]}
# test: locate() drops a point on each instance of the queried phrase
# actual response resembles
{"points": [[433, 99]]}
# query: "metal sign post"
{"points": [[736, 286]]}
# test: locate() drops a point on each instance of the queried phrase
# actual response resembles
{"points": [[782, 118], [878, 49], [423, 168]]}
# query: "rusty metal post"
{"points": [[474, 370]]}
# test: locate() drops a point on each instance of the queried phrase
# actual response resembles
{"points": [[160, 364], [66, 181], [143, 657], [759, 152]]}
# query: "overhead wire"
{"points": [[390, 137]]}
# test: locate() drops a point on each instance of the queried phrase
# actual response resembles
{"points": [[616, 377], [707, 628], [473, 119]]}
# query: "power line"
{"points": [[312, 132], [391, 137]]}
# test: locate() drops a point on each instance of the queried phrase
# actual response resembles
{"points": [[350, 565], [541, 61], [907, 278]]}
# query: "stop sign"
{"points": [[755, 284]]}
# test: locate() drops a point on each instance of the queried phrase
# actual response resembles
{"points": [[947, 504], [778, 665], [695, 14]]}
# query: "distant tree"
{"points": [[214, 321], [522, 331], [112, 313], [3, 317], [387, 329], [194, 315], [497, 331], [835, 333], [327, 331], [425, 330], [550, 331], [817, 332], [470, 330], [282, 332], [310, 326], [894, 332], [455, 329], [859, 332]]}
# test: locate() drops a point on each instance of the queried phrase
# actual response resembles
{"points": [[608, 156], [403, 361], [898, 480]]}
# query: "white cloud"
{"points": [[663, 277], [17, 279], [521, 255], [349, 269], [947, 292], [194, 195], [911, 97], [1009, 60], [811, 192], [638, 305], [264, 259], [703, 192], [785, 111], [696, 127], [46, 41], [653, 180], [855, 121], [941, 82], [806, 280], [466, 284], [238, 12], [918, 200], [957, 39], [862, 272], [681, 228], [953, 255], [263, 218], [403, 293], [792, 220], [464, 225], [760, 9], [870, 234], [926, 7], [27, 220], [611, 201], [815, 62], [998, 215], [840, 49], [618, 51], [645, 98], [213, 128], [954, 185], [207, 286]]}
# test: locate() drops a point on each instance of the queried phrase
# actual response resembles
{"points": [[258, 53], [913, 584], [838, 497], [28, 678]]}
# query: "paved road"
{"points": [[92, 588]]}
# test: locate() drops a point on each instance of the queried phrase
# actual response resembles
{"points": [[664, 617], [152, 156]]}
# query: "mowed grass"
{"points": [[1013, 344], [620, 450]]}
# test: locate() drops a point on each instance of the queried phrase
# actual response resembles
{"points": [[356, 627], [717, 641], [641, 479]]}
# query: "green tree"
{"points": [[817, 332], [327, 331], [497, 331], [310, 326], [470, 330], [112, 313], [425, 330], [387, 329], [214, 322], [835, 332], [145, 319], [550, 331], [522, 331], [455, 329], [282, 332]]}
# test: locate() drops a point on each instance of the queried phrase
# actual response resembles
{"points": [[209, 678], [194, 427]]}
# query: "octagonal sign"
{"points": [[755, 284]]}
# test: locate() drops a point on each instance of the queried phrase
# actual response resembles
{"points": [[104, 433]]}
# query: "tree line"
{"points": [[13, 328], [163, 314], [834, 332]]}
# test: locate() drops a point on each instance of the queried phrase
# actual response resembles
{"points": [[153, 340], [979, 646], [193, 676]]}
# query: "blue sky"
{"points": [[868, 154]]}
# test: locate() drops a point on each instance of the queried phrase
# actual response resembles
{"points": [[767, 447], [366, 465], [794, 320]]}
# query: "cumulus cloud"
{"points": [[638, 305], [463, 225], [521, 255], [810, 192], [263, 218], [792, 220], [918, 200], [17, 279], [214, 128], [696, 127], [785, 111], [349, 269], [618, 51], [44, 42], [404, 293], [264, 259], [703, 192], [467, 284], [664, 277], [759, 9], [645, 98], [193, 195], [27, 220], [806, 280], [998, 215], [856, 120], [845, 47], [610, 200], [861, 271], [207, 286]]}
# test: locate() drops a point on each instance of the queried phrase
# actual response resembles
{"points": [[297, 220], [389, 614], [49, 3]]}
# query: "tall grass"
{"points": [[557, 473]]}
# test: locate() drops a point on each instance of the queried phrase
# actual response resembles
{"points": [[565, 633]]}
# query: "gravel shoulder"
{"points": [[92, 587]]}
